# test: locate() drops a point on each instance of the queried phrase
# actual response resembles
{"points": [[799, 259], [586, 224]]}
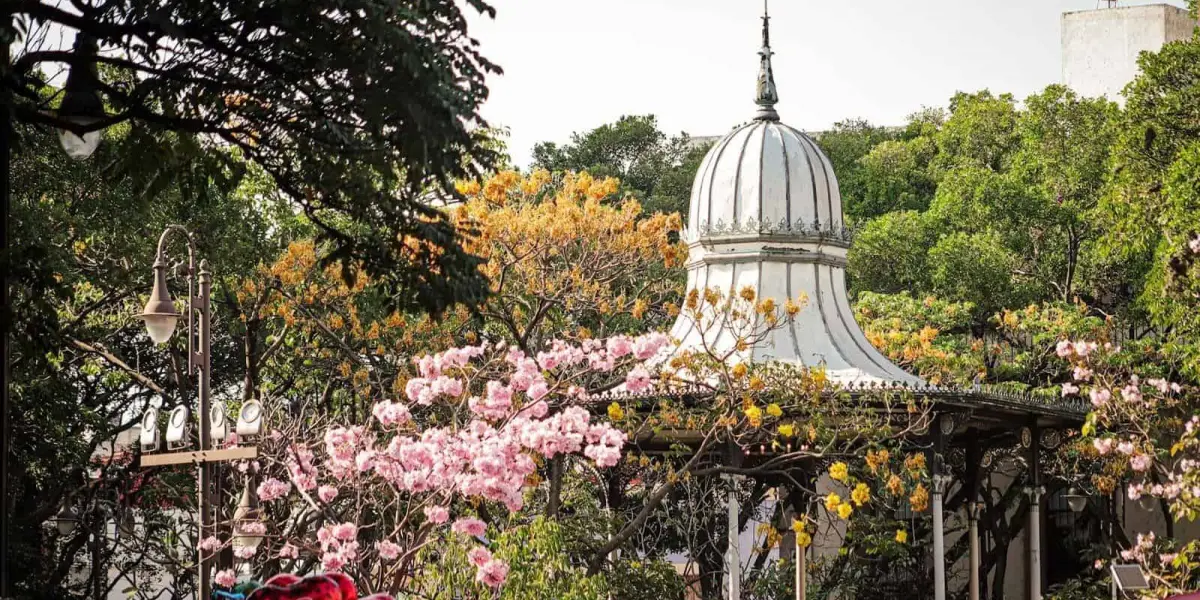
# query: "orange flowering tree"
{"points": [[567, 257]]}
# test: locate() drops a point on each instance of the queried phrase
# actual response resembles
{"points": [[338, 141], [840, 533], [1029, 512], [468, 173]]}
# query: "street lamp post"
{"points": [[161, 317], [65, 522]]}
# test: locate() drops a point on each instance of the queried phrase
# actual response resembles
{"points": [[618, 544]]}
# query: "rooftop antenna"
{"points": [[766, 95]]}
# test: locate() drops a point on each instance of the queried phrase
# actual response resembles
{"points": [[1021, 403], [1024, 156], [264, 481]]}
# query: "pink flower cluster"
{"points": [[1066, 348], [485, 454], [387, 550], [339, 545], [469, 526], [342, 445], [391, 414], [437, 514], [490, 571], [253, 528], [327, 493], [209, 544], [226, 578], [300, 467], [272, 489]]}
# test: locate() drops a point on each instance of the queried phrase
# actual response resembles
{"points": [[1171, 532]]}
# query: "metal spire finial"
{"points": [[766, 95]]}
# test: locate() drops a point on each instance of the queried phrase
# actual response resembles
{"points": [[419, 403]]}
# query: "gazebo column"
{"points": [[733, 559], [942, 423], [974, 511], [801, 572], [1032, 442], [798, 502]]}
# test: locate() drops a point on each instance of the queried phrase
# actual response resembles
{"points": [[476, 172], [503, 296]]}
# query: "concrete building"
{"points": [[1100, 47]]}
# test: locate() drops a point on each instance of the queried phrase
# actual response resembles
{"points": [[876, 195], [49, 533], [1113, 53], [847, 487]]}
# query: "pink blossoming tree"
{"points": [[365, 496]]}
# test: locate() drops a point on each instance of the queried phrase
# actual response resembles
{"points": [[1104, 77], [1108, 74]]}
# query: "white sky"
{"points": [[571, 65]]}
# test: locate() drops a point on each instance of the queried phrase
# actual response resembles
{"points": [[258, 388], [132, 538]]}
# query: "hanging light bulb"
{"points": [[81, 104], [160, 313], [66, 520]]}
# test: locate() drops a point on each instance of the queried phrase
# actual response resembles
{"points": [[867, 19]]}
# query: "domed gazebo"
{"points": [[766, 213]]}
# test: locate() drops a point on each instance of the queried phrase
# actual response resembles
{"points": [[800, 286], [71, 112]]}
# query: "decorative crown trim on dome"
{"points": [[766, 95], [838, 232]]}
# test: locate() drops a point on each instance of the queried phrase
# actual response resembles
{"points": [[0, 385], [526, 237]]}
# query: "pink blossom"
{"points": [[1103, 445], [637, 380], [437, 514], [1167, 559], [1064, 349], [345, 531], [390, 414], [479, 556], [209, 544], [648, 345], [1140, 462], [365, 460], [1194, 245], [619, 346], [253, 527], [289, 551], [387, 550], [327, 493], [496, 405], [537, 391], [447, 386], [1134, 491], [1125, 448], [1069, 390], [225, 578], [244, 552], [332, 561], [538, 409], [1100, 397], [492, 573], [272, 489], [469, 526], [1082, 373], [1131, 394]]}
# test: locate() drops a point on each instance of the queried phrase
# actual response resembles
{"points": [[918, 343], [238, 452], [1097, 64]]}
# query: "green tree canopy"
{"points": [[655, 168], [354, 111]]}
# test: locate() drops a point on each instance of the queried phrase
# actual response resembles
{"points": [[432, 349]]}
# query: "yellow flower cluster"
{"points": [[915, 463], [787, 430], [876, 459], [861, 494], [919, 499], [774, 410], [839, 472], [832, 501], [615, 412], [895, 485], [901, 536], [753, 415]]}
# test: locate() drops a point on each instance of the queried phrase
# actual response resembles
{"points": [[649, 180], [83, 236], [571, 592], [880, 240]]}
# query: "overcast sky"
{"points": [[571, 65]]}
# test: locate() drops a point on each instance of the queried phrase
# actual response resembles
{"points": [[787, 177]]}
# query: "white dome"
{"points": [[765, 177], [766, 213]]}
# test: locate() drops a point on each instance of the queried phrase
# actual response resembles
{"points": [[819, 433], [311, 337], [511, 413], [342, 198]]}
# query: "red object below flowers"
{"points": [[329, 586]]}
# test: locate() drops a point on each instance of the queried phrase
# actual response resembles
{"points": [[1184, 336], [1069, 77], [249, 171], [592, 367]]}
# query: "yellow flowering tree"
{"points": [[569, 258]]}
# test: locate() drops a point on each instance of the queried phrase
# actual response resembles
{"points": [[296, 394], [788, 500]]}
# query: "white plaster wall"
{"points": [[1100, 47]]}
